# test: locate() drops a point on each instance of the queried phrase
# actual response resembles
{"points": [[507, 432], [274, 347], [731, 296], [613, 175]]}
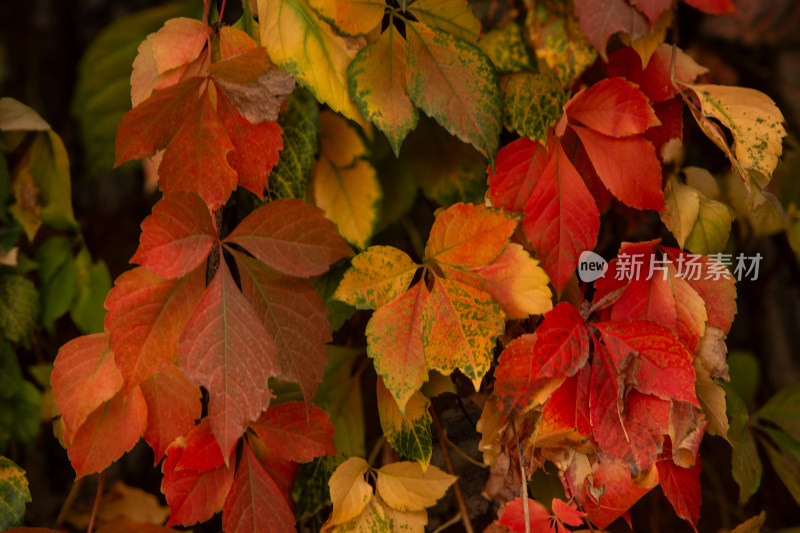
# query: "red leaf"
{"points": [[519, 165], [295, 434], [651, 358], [567, 409], [292, 237], [681, 486], [145, 319], [84, 377], [173, 405], [628, 167], [151, 125], [282, 471], [611, 492], [226, 349], [652, 8], [255, 502], [539, 518], [111, 430], [562, 220], [201, 451], [715, 7], [559, 349], [196, 158], [566, 513], [256, 146], [295, 318], [600, 19], [193, 496], [613, 107], [177, 236], [670, 113]]}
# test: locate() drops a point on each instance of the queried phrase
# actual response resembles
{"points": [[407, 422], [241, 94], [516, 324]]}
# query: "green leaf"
{"points": [[338, 311], [453, 82], [532, 103], [711, 229], [103, 90], [300, 125], [19, 308], [310, 491], [93, 283], [56, 279], [20, 402], [745, 464], [745, 372], [783, 409], [377, 83], [14, 494], [339, 395], [506, 49], [408, 433], [785, 458]]}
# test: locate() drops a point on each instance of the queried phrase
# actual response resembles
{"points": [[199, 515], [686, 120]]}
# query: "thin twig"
{"points": [[464, 454], [100, 478], [373, 454], [449, 523], [524, 481], [462, 505], [74, 491]]}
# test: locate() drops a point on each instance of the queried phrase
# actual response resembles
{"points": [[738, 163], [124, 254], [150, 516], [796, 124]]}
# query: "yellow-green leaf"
{"points": [[377, 81], [14, 494], [451, 16], [405, 487], [532, 103], [755, 122], [460, 325], [453, 82], [515, 281], [711, 229], [339, 395], [506, 48], [469, 236], [681, 207], [378, 517], [350, 492], [394, 342], [350, 198], [299, 42], [408, 433], [377, 276], [351, 17]]}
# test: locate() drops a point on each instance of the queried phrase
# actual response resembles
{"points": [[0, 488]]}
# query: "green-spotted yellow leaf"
{"points": [[555, 34], [377, 81], [299, 42], [377, 276], [408, 433], [506, 48], [14, 494], [532, 104], [405, 487], [453, 82], [459, 328], [19, 308]]}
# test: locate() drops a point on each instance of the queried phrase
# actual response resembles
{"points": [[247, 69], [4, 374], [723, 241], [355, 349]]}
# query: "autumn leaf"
{"points": [[14, 494], [350, 493], [681, 486], [408, 433], [532, 104], [612, 490], [505, 47], [226, 349], [453, 82], [600, 19], [299, 42], [255, 503], [300, 124], [405, 487], [295, 433], [146, 318], [377, 84], [519, 164], [451, 16], [376, 276], [339, 141], [290, 236], [555, 34]]}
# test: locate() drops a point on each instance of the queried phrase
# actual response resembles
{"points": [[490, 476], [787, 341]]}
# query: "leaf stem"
{"points": [[414, 237], [463, 454], [100, 479], [71, 497], [448, 461], [524, 481]]}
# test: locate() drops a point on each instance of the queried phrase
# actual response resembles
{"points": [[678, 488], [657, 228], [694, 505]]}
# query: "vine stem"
{"points": [[448, 461], [524, 481], [73, 494], [100, 479]]}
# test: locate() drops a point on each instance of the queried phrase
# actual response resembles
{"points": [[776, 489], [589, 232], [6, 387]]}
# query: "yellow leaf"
{"points": [[752, 525], [459, 328], [404, 487], [454, 83], [506, 48], [16, 116], [377, 517], [755, 123], [377, 276], [681, 207], [350, 493], [647, 44], [351, 17], [469, 236], [404, 521], [408, 433], [350, 198], [451, 16], [712, 401], [299, 42], [515, 280], [338, 141], [377, 78]]}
